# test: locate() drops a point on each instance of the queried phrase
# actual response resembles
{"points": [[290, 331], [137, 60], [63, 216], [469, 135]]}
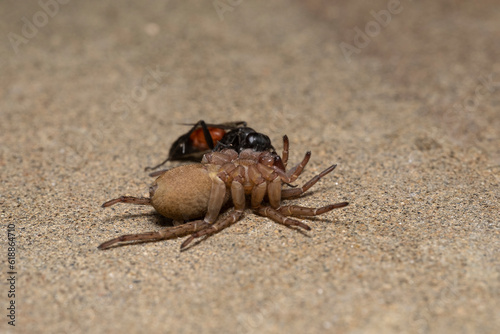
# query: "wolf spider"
{"points": [[199, 190]]}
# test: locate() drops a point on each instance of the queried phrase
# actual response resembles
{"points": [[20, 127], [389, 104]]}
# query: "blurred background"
{"points": [[403, 95]]}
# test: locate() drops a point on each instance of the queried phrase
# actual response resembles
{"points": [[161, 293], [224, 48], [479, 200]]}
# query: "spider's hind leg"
{"points": [[164, 234], [210, 229], [301, 211], [238, 197]]}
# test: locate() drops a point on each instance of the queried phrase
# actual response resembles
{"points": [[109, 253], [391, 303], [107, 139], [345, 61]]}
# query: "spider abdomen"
{"points": [[182, 193]]}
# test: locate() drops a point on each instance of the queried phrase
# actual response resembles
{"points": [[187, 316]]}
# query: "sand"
{"points": [[403, 96]]}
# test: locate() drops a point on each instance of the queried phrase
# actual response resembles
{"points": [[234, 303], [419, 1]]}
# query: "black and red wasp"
{"points": [[203, 138]]}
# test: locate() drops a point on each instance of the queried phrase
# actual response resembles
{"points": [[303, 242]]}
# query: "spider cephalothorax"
{"points": [[200, 190]]}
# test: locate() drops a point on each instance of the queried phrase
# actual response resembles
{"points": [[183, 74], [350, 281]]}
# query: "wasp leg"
{"points": [[180, 145]]}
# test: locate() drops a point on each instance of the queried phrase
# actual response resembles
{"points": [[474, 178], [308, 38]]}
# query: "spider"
{"points": [[189, 192]]}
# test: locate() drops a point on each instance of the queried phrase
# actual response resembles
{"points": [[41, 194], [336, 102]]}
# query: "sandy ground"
{"points": [[403, 96]]}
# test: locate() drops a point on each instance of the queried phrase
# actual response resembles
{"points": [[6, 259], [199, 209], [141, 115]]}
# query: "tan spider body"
{"points": [[200, 190]]}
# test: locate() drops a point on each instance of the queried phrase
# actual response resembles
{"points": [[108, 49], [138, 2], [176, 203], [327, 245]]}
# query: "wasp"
{"points": [[203, 138]]}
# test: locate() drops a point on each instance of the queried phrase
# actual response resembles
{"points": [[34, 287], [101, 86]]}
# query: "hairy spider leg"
{"points": [[275, 215], [164, 234], [295, 172], [238, 197], [282, 214], [284, 154], [219, 225], [301, 211], [216, 200], [128, 199], [289, 193]]}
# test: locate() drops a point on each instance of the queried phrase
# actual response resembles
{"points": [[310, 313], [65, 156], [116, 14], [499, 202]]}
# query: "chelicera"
{"points": [[193, 195]]}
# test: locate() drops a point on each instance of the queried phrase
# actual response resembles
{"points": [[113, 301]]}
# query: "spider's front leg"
{"points": [[284, 154], [281, 214], [273, 212], [268, 180]]}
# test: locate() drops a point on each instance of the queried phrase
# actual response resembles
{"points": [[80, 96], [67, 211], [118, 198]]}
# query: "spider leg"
{"points": [[257, 175], [216, 199], [288, 193], [284, 155], [300, 211], [238, 195], [128, 199], [274, 192], [164, 234], [210, 229], [278, 217], [293, 173]]}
